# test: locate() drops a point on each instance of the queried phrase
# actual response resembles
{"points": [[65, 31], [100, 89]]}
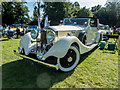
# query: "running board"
{"points": [[23, 56]]}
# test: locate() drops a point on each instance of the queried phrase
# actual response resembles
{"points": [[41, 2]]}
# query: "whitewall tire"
{"points": [[70, 60]]}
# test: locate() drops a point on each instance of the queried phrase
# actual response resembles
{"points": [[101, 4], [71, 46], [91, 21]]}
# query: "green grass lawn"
{"points": [[95, 70]]}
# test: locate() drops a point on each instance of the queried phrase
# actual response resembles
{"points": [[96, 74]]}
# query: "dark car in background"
{"points": [[117, 31]]}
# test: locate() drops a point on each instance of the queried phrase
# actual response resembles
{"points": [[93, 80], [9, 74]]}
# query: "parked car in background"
{"points": [[31, 27], [117, 31], [17, 25], [101, 27], [105, 29], [108, 29], [4, 33]]}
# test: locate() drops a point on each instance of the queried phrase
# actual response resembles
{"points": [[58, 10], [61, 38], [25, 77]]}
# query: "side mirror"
{"points": [[92, 23]]}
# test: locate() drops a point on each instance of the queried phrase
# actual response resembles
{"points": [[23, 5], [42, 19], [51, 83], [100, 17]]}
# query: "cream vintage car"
{"points": [[61, 46]]}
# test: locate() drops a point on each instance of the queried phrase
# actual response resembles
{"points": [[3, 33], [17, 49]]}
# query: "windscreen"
{"points": [[76, 21]]}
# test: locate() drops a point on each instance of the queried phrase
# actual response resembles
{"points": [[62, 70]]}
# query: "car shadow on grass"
{"points": [[28, 74], [4, 39], [25, 74], [85, 55]]}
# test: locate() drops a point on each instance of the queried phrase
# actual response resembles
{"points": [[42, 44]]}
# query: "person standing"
{"points": [[18, 32], [9, 33], [24, 31], [114, 29]]}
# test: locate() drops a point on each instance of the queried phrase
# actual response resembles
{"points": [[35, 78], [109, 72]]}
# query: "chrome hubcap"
{"points": [[70, 59]]}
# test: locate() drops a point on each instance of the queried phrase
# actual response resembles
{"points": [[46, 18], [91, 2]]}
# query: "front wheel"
{"points": [[70, 60]]}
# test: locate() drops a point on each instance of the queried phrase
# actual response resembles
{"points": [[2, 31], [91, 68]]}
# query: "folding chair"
{"points": [[111, 44]]}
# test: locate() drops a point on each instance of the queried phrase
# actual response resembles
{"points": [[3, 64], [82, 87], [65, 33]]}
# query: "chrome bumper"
{"points": [[23, 56]]}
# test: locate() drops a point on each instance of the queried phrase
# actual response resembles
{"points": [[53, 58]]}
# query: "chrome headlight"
{"points": [[34, 34], [50, 36]]}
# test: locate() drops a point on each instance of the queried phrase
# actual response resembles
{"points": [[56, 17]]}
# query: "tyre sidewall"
{"points": [[74, 65]]}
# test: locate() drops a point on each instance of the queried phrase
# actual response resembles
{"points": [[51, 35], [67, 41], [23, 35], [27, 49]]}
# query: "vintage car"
{"points": [[117, 31], [105, 29], [31, 27], [61, 46]]}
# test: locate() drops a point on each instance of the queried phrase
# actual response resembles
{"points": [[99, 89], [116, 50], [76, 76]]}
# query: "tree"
{"points": [[84, 13], [76, 5], [59, 10], [102, 15], [35, 16], [14, 12], [0, 14], [0, 8], [55, 11], [110, 14], [95, 8]]}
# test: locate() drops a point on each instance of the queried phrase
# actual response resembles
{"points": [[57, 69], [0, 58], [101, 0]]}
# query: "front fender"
{"points": [[60, 48], [26, 43]]}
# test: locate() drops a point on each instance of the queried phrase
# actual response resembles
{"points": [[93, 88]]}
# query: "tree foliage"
{"points": [[95, 8], [59, 10], [14, 12], [17, 12], [110, 14], [84, 13], [55, 11], [35, 16]]}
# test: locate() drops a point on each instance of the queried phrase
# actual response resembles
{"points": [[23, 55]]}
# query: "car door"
{"points": [[92, 31]]}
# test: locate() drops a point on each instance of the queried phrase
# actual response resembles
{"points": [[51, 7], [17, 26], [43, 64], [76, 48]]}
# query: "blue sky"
{"points": [[30, 7], [87, 3]]}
